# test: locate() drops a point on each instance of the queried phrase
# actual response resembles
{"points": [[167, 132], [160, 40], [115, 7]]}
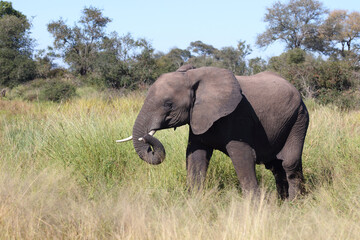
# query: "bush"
{"points": [[295, 56], [345, 100], [29, 91], [57, 91], [315, 77], [57, 73], [335, 75]]}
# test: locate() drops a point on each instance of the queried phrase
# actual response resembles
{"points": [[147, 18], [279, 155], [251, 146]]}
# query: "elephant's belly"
{"points": [[265, 155], [268, 143]]}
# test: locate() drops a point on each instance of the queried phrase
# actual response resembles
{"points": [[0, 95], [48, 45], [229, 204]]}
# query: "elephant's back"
{"points": [[274, 100], [266, 83], [268, 91]]}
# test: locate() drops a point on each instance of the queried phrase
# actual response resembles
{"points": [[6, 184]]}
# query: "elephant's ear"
{"points": [[217, 94]]}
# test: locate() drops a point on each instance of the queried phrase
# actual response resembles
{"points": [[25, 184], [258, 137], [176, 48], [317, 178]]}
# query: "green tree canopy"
{"points": [[341, 28], [201, 49], [80, 44], [172, 60], [125, 62], [294, 23], [234, 58], [16, 47], [6, 8]]}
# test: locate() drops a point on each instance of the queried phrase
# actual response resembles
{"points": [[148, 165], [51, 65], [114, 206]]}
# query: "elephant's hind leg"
{"points": [[291, 154], [282, 184]]}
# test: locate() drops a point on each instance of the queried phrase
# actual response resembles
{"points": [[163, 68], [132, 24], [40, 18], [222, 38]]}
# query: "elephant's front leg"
{"points": [[243, 158], [197, 162]]}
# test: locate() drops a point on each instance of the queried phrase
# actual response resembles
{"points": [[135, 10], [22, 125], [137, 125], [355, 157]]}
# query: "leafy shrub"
{"points": [[298, 68], [315, 77], [57, 91], [295, 56], [326, 96], [94, 80], [29, 91], [334, 75], [345, 100], [57, 73]]}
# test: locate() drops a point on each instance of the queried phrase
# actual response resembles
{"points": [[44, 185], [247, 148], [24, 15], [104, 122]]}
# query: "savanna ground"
{"points": [[62, 176]]}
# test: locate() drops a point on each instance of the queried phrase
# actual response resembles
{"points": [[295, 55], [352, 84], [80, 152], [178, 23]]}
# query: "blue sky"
{"points": [[168, 24]]}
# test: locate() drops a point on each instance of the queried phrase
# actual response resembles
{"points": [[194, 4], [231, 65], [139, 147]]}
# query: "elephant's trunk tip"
{"points": [[150, 149]]}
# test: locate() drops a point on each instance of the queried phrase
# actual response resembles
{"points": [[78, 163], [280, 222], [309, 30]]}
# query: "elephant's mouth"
{"points": [[151, 133], [169, 123]]}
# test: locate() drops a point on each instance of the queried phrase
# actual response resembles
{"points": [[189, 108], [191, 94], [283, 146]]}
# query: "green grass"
{"points": [[62, 176]]}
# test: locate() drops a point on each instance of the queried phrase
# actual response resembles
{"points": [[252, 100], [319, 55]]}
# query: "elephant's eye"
{"points": [[168, 105]]}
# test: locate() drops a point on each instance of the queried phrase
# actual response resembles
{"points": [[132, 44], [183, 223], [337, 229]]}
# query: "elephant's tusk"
{"points": [[151, 133], [124, 140]]}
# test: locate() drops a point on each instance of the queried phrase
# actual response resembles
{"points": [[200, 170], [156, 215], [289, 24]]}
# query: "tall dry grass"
{"points": [[63, 177]]}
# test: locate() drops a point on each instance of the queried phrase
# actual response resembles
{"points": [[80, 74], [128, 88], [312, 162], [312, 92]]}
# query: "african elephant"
{"points": [[254, 119]]}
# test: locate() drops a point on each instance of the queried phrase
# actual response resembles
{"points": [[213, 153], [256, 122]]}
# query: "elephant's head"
{"points": [[197, 97]]}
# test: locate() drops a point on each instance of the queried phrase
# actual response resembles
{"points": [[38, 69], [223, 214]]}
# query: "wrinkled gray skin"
{"points": [[256, 119]]}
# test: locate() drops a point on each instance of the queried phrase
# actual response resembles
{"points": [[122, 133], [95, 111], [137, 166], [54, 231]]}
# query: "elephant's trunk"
{"points": [[146, 146]]}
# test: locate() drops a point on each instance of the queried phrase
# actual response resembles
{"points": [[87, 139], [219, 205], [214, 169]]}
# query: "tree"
{"points": [[202, 54], [44, 63], [144, 64], [80, 44], [294, 23], [113, 61], [178, 56], [341, 28], [171, 61], [16, 47], [256, 65], [234, 58], [201, 49], [125, 62], [7, 9]]}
